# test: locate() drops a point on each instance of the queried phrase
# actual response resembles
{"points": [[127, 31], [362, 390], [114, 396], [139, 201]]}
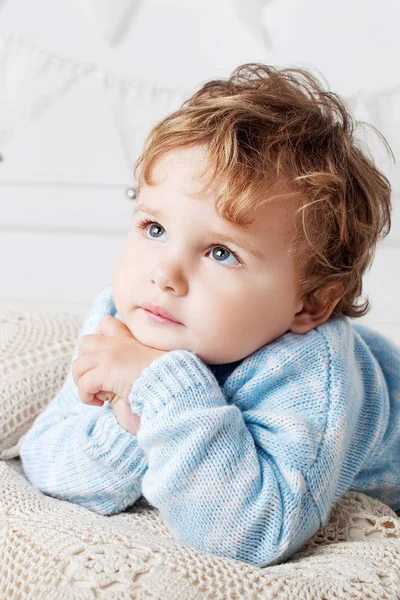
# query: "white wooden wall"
{"points": [[63, 209]]}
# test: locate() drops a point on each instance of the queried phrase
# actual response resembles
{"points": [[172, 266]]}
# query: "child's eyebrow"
{"points": [[140, 208]]}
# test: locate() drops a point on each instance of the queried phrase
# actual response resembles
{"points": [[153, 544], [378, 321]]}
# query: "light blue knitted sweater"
{"points": [[243, 460]]}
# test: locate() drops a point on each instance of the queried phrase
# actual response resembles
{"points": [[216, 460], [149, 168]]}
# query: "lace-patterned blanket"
{"points": [[54, 549]]}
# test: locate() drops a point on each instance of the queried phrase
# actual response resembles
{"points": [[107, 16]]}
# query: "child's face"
{"points": [[227, 310]]}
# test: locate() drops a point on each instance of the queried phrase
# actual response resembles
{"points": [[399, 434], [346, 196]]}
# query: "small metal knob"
{"points": [[131, 193]]}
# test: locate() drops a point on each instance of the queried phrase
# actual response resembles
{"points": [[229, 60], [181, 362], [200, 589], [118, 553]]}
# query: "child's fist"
{"points": [[108, 363]]}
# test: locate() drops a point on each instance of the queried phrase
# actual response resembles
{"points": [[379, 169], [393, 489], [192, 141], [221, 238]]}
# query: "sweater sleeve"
{"points": [[80, 453], [250, 473], [226, 481]]}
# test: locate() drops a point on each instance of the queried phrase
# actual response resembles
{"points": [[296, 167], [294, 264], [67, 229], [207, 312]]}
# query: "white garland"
{"points": [[31, 79]]}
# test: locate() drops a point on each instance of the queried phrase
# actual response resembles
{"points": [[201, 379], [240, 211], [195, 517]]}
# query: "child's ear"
{"points": [[316, 311]]}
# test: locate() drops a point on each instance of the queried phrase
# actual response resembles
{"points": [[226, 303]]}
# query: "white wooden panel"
{"points": [[50, 208], [56, 268], [382, 287]]}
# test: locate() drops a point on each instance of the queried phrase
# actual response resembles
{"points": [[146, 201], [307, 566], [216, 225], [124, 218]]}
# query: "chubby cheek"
{"points": [[124, 284], [238, 324], [222, 327]]}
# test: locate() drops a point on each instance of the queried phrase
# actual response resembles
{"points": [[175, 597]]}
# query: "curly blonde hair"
{"points": [[265, 125]]}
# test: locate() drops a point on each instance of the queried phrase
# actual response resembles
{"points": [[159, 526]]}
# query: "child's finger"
{"points": [[82, 364], [109, 396], [95, 402], [89, 387], [109, 326], [89, 344]]}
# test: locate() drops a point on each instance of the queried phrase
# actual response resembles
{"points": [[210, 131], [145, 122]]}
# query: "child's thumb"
{"points": [[103, 396]]}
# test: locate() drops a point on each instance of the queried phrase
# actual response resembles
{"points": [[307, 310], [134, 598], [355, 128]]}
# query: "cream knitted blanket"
{"points": [[54, 549]]}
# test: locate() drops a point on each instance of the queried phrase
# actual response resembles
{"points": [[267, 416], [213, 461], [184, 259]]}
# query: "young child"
{"points": [[247, 413]]}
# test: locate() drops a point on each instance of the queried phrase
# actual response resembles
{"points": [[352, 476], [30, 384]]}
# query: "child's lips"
{"points": [[160, 319]]}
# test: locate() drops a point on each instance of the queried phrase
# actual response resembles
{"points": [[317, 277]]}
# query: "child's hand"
{"points": [[129, 420], [110, 363]]}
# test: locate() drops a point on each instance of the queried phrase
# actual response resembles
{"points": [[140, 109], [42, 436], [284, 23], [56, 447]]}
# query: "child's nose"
{"points": [[170, 276]]}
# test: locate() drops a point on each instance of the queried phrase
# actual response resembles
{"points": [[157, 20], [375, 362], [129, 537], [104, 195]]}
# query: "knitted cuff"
{"points": [[178, 373]]}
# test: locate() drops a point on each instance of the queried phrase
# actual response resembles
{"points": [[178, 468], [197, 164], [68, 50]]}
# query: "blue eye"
{"points": [[225, 250], [143, 225]]}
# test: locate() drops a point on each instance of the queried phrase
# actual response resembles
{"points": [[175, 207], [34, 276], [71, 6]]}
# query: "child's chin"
{"points": [[152, 339]]}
